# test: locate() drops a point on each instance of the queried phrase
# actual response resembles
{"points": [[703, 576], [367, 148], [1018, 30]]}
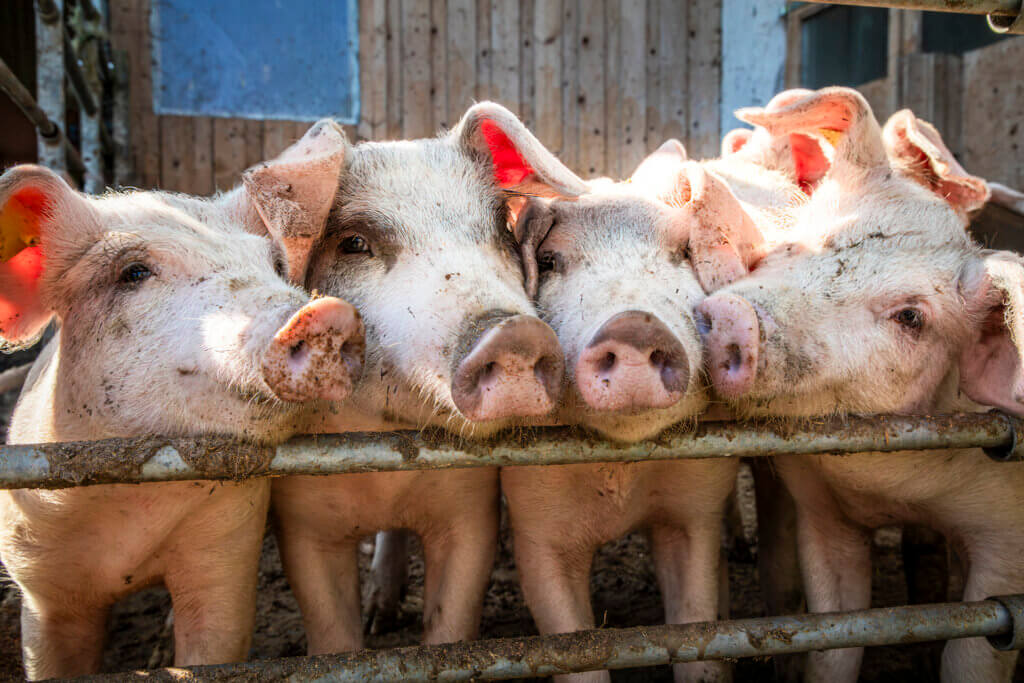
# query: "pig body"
{"points": [[881, 303], [169, 325], [418, 239], [617, 285]]}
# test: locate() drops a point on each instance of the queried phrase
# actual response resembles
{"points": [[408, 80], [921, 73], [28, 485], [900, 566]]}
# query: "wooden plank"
{"points": [[415, 51], [570, 153], [704, 50], [439, 65], [613, 89], [229, 151], [276, 137], [394, 80], [505, 44], [527, 56], [633, 83], [674, 33], [461, 56], [993, 120], [366, 74], [793, 48], [147, 125], [547, 73], [375, 91], [483, 50], [201, 172], [253, 142], [592, 88], [652, 87], [176, 141]]}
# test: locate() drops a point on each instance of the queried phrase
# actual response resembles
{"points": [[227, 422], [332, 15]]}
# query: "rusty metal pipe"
{"points": [[998, 7], [22, 98], [162, 459], [619, 648]]}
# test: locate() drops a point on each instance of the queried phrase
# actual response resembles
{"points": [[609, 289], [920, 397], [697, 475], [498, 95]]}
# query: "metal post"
{"points": [[620, 648], [92, 121], [50, 78], [997, 7], [62, 465]]}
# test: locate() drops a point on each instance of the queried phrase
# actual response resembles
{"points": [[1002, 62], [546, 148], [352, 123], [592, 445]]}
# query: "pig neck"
{"points": [[42, 414]]}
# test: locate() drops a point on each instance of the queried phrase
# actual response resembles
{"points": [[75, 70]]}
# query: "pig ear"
{"points": [[38, 213], [734, 140], [1007, 196], [917, 149], [533, 223], [293, 193], [519, 161], [992, 363], [656, 174], [724, 241], [840, 116]]}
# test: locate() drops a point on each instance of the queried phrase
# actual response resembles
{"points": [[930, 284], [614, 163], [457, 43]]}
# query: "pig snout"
{"points": [[514, 369], [317, 354], [732, 337], [634, 362]]}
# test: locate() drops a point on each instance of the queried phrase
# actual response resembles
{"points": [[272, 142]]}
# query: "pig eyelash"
{"points": [[909, 318]]}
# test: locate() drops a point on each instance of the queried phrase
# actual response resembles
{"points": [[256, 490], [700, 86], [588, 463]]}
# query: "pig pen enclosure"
{"points": [[601, 85]]}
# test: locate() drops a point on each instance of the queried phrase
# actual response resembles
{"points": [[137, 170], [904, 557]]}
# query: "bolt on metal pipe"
{"points": [[62, 465], [620, 648]]}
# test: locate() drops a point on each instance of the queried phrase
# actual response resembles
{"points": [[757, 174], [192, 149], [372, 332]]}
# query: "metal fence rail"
{"points": [[1000, 619], [1004, 16], [169, 459]]}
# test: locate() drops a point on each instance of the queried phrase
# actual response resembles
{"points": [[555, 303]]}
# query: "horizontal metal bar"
{"points": [[616, 648], [23, 99], [1003, 7], [166, 459]]}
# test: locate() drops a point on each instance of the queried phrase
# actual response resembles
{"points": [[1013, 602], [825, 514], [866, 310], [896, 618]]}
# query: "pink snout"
{"points": [[732, 337], [634, 362], [515, 369], [317, 354]]}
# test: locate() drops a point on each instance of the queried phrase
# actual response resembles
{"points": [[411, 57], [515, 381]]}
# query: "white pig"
{"points": [[418, 239], [172, 323], [881, 303]]}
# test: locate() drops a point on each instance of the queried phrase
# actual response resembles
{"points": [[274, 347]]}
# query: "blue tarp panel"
{"points": [[264, 59]]}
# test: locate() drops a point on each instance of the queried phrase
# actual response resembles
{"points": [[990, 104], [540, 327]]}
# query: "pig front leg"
{"points": [[389, 571], [835, 560], [974, 660], [212, 574], [687, 563], [61, 638], [458, 559]]}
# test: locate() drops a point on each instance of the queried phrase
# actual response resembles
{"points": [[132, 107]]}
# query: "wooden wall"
{"points": [[601, 83]]}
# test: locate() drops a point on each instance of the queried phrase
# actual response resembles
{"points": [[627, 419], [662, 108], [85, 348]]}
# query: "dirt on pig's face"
{"points": [[418, 241]]}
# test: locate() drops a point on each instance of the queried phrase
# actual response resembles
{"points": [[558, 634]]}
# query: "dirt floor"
{"points": [[623, 589]]}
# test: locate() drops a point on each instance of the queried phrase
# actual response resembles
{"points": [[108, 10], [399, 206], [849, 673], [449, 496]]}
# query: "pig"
{"points": [[417, 238], [172, 322], [617, 273], [881, 303]]}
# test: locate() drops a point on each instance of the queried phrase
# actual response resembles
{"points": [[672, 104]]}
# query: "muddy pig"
{"points": [[881, 303], [169, 325], [617, 274], [418, 240]]}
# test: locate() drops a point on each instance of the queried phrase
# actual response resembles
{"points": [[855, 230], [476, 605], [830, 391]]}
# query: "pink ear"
{"points": [[992, 363], [841, 116], [724, 241], [918, 150], [734, 140], [520, 162], [28, 198], [657, 175], [293, 194]]}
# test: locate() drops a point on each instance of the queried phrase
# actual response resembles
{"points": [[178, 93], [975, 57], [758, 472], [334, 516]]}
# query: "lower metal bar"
{"points": [[1000, 7], [617, 648], [163, 459]]}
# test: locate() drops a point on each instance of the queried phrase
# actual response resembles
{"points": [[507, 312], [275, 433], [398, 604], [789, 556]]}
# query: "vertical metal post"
{"points": [[91, 124], [50, 78]]}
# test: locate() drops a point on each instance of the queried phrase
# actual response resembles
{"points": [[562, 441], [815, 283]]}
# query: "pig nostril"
{"points": [[488, 371], [658, 359], [607, 362], [704, 323], [735, 357]]}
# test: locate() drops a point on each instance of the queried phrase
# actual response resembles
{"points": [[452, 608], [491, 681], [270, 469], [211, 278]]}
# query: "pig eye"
{"points": [[910, 318], [135, 273], [545, 262], [354, 244]]}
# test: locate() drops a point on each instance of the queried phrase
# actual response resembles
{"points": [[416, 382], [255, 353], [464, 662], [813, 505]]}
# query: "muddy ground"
{"points": [[623, 588]]}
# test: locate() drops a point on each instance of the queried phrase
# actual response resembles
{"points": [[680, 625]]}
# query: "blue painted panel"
{"points": [[265, 59]]}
